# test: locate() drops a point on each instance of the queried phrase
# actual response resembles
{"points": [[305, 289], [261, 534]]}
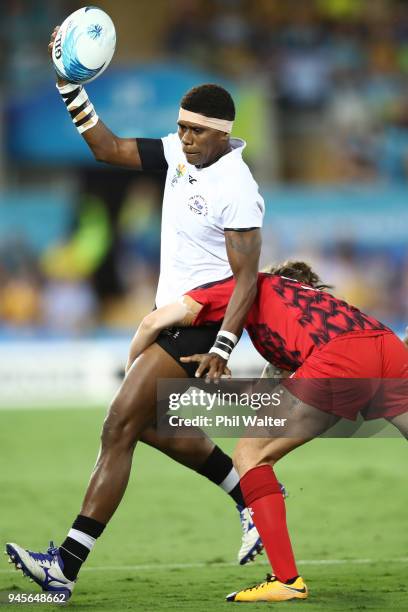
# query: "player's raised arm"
{"points": [[105, 146]]}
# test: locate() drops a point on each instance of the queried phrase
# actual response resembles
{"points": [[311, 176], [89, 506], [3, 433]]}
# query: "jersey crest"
{"points": [[198, 205]]}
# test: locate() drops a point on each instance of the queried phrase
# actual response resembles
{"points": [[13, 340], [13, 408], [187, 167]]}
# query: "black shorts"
{"points": [[183, 341]]}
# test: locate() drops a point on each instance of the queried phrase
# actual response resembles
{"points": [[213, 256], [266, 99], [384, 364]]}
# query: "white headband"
{"points": [[216, 124]]}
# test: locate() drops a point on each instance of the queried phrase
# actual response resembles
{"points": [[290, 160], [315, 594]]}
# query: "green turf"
{"points": [[348, 500]]}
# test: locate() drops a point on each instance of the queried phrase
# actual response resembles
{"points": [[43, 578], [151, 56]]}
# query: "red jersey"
{"points": [[288, 320]]}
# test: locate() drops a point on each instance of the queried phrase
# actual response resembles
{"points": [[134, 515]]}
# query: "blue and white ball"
{"points": [[84, 45]]}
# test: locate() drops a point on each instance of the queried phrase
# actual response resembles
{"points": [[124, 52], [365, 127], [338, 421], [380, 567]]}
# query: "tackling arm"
{"points": [[181, 313]]}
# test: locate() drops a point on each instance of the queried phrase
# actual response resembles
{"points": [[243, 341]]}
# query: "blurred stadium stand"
{"points": [[322, 98]]}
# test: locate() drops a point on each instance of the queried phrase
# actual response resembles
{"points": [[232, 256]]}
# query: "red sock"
{"points": [[263, 496]]}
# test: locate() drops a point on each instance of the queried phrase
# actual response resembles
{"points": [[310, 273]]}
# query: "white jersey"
{"points": [[198, 205]]}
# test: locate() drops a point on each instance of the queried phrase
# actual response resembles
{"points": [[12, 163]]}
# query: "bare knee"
{"points": [[119, 430], [252, 452], [247, 456], [243, 462]]}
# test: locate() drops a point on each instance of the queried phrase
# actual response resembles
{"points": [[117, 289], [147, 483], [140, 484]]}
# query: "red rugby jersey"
{"points": [[288, 319]]}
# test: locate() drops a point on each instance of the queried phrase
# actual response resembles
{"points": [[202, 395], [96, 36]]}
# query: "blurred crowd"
{"points": [[334, 74], [101, 276], [335, 71]]}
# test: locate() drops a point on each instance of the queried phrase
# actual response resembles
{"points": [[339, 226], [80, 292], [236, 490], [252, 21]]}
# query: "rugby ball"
{"points": [[84, 45]]}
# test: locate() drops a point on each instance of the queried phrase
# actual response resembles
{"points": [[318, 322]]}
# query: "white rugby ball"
{"points": [[84, 45]]}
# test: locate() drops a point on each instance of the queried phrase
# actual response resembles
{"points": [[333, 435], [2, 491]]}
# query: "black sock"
{"points": [[72, 552], [218, 468], [237, 496]]}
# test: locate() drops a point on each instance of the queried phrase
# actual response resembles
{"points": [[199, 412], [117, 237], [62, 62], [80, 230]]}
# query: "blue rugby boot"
{"points": [[251, 544], [46, 569]]}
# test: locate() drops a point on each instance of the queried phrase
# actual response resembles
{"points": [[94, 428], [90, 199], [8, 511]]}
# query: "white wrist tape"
{"points": [[224, 344], [79, 106], [220, 352]]}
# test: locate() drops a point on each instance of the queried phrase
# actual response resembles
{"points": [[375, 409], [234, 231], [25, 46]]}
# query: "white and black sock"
{"points": [[79, 543], [218, 468]]}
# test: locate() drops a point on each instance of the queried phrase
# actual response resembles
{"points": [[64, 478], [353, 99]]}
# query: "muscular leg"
{"points": [[132, 411], [191, 452]]}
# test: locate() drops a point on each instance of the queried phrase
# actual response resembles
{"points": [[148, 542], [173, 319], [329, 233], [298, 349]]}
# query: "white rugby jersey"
{"points": [[198, 204]]}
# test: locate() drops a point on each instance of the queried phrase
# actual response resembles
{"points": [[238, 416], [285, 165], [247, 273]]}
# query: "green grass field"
{"points": [[173, 542]]}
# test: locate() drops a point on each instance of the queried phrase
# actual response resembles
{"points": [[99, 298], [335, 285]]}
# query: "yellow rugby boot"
{"points": [[271, 590]]}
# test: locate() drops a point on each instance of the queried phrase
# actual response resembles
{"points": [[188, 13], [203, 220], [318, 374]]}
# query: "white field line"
{"points": [[172, 566]]}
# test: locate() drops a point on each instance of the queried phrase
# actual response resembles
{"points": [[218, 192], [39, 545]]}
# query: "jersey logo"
{"points": [[198, 205], [180, 172]]}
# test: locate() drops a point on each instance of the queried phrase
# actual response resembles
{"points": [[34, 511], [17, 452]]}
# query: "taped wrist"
{"points": [[79, 106], [224, 344]]}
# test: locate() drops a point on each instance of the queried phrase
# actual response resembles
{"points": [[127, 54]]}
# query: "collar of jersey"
{"points": [[238, 145]]}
